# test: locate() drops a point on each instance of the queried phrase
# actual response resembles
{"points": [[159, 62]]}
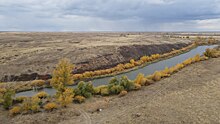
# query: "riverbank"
{"points": [[25, 86], [192, 94], [29, 55]]}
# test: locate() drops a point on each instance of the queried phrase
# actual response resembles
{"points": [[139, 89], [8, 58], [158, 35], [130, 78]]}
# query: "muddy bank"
{"points": [[122, 54]]}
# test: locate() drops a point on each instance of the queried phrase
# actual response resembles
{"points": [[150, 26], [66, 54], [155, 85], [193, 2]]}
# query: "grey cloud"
{"points": [[114, 15]]}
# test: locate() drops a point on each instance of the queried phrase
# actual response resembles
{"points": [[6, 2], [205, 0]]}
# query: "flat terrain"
{"points": [[189, 96]]}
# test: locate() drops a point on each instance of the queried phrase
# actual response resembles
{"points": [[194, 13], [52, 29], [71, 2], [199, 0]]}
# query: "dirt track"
{"points": [[189, 96]]}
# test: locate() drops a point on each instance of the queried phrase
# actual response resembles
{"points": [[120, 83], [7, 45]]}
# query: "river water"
{"points": [[146, 70]]}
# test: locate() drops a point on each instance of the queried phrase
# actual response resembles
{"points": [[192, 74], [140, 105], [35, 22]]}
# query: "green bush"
{"points": [[126, 83], [7, 98], [115, 89], [84, 89], [104, 91], [114, 86], [97, 90]]}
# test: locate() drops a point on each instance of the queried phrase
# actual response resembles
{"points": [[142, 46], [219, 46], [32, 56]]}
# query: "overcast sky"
{"points": [[109, 15]]}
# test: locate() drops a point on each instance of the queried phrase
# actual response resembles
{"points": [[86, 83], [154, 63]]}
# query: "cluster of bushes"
{"points": [[39, 102], [158, 75], [212, 53], [118, 68], [64, 95], [117, 86], [6, 97]]}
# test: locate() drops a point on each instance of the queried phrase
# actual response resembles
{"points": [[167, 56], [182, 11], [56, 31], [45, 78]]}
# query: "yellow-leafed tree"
{"points": [[62, 75], [66, 97], [61, 78]]}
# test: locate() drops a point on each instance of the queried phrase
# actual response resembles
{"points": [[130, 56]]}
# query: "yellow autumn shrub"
{"points": [[197, 58], [20, 98], [128, 65], [87, 74], [77, 76], [98, 72], [79, 99], [42, 94], [155, 56], [150, 77], [122, 93], [145, 58], [178, 67], [148, 81], [157, 76], [15, 110], [132, 61], [104, 91], [31, 104], [166, 70], [38, 83], [119, 67], [139, 78], [65, 97], [187, 62], [137, 86], [50, 106]]}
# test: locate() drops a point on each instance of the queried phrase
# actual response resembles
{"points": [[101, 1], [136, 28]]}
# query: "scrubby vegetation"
{"points": [[84, 89], [50, 106], [62, 76], [15, 110], [212, 53], [20, 99], [79, 99], [123, 93], [42, 95], [6, 97], [37, 83], [60, 79]]}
